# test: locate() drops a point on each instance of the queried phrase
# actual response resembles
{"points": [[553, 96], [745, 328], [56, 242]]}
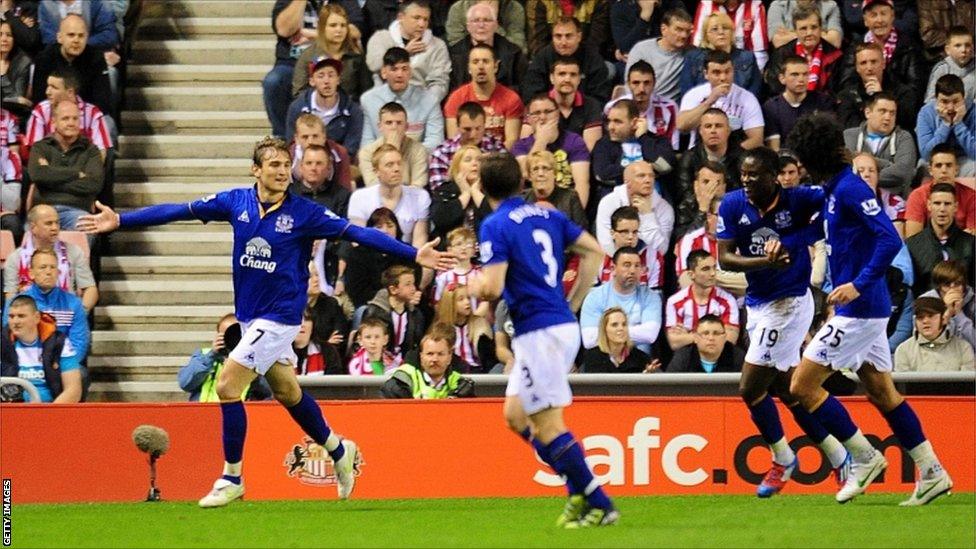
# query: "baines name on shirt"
{"points": [[522, 213]]}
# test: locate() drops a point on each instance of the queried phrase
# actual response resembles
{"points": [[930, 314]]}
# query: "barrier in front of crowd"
{"points": [[452, 448]]}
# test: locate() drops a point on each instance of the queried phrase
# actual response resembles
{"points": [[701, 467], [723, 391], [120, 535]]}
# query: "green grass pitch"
{"points": [[690, 521]]}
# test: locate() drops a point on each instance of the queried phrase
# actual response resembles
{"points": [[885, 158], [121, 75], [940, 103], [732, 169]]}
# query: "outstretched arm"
{"points": [[107, 220], [427, 255]]}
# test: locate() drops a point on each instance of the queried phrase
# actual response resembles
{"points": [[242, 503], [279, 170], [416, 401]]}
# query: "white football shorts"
{"points": [[265, 342], [776, 331], [845, 342], [543, 360]]}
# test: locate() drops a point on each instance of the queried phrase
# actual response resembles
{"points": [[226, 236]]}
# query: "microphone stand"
{"points": [[154, 493]]}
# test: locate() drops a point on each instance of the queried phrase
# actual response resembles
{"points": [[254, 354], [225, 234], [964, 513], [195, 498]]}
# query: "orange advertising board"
{"points": [[456, 448]]}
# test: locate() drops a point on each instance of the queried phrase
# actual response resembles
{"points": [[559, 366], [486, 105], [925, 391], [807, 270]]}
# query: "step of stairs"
{"points": [[230, 75], [137, 368], [167, 266], [167, 243], [183, 147], [188, 28], [210, 167], [260, 50], [150, 342], [195, 98], [167, 292], [159, 317], [136, 391], [203, 122], [134, 195], [210, 8]]}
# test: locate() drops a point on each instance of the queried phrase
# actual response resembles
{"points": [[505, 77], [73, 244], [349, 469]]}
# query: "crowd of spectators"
{"points": [[62, 66], [630, 116]]}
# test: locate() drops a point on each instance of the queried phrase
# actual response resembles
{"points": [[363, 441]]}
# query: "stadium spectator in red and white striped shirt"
{"points": [[64, 84], [703, 238], [702, 297], [624, 230], [11, 173], [463, 242], [473, 334], [749, 18]]}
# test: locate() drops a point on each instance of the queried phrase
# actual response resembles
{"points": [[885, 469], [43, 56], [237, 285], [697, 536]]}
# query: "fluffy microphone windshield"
{"points": [[151, 439]]}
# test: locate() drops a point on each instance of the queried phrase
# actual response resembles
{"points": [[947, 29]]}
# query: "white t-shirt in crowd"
{"points": [[414, 206], [739, 104]]}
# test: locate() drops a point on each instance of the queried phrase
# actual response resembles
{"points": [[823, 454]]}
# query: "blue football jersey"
{"points": [[271, 249], [741, 222], [861, 244], [532, 240]]}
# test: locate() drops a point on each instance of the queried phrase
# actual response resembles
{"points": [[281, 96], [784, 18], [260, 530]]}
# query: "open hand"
{"points": [[105, 221], [428, 256]]}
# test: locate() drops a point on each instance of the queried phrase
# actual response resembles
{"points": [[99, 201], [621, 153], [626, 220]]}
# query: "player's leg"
{"points": [[308, 415], [768, 335], [836, 454], [933, 480], [568, 459], [842, 342], [233, 380], [539, 384], [753, 388]]}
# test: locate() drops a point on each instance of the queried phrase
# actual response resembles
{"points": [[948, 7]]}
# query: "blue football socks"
{"points": [[308, 416], [568, 460], [766, 418], [905, 424]]}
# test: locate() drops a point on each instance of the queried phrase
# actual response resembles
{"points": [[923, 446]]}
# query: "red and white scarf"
{"points": [[814, 61], [361, 365], [27, 250], [888, 45]]}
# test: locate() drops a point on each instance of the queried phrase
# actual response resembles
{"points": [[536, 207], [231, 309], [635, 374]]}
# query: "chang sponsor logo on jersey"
{"points": [[257, 255], [759, 239]]}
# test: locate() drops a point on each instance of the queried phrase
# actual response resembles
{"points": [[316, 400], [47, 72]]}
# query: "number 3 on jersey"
{"points": [[543, 239]]}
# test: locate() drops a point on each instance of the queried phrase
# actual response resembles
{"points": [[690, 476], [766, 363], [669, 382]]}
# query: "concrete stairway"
{"points": [[194, 112]]}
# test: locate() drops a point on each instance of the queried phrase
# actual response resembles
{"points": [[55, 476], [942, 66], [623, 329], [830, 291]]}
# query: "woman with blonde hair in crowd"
{"points": [[473, 342], [460, 200], [614, 351], [338, 39], [541, 166], [719, 34]]}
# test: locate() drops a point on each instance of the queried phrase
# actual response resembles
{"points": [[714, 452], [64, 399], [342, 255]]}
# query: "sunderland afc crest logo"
{"points": [[311, 464]]}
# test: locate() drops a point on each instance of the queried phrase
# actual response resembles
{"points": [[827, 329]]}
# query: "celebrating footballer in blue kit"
{"points": [[762, 230], [861, 244], [273, 235], [522, 247]]}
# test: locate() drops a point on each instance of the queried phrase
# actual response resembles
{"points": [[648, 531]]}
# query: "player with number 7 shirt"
{"points": [[273, 235]]}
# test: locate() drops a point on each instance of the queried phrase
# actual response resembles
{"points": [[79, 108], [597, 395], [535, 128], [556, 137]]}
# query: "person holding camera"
{"points": [[199, 376], [436, 378]]}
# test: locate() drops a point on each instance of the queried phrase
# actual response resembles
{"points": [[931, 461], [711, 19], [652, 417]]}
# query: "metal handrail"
{"points": [[663, 379], [27, 385]]}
